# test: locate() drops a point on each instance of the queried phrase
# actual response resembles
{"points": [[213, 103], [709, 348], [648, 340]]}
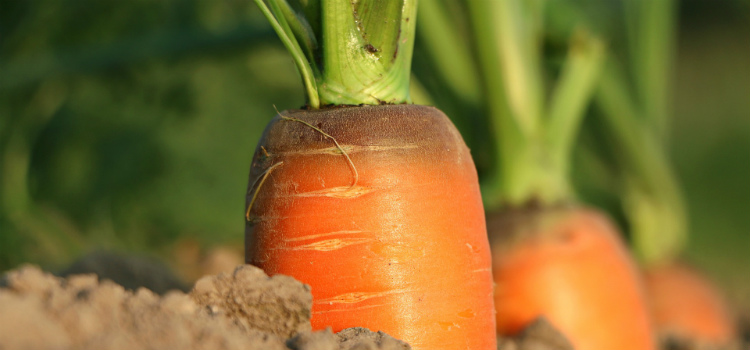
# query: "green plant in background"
{"points": [[113, 123], [533, 123], [634, 111], [633, 105], [542, 238]]}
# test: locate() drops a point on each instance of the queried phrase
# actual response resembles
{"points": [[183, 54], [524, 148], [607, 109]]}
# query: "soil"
{"points": [[539, 335], [244, 309]]}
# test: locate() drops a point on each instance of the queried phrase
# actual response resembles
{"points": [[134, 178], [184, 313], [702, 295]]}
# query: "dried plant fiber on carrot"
{"points": [[378, 209]]}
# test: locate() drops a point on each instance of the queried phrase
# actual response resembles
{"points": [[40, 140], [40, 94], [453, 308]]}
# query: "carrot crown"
{"points": [[348, 52]]}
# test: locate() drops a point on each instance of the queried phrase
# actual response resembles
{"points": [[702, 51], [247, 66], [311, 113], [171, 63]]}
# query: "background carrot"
{"points": [[551, 256], [376, 207], [569, 265], [687, 308], [634, 116]]}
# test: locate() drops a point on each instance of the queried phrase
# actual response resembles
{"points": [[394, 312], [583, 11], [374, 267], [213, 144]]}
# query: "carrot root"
{"points": [[570, 266], [401, 248]]}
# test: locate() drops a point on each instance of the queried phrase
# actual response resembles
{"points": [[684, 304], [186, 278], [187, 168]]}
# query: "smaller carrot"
{"points": [[570, 266], [687, 307]]}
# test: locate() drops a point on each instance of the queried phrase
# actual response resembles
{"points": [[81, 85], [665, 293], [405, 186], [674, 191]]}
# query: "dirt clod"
{"points": [[323, 340], [539, 335], [244, 309], [279, 305], [348, 339], [364, 339]]}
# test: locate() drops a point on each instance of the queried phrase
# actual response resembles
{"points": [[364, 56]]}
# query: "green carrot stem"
{"points": [[571, 98], [348, 53], [533, 141], [651, 31], [449, 50], [652, 198], [506, 130]]}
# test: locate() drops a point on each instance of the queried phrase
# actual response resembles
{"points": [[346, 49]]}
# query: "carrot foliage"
{"points": [[534, 116], [348, 52]]}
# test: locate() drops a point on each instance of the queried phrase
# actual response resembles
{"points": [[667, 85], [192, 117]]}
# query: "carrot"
{"points": [[569, 265], [399, 248], [551, 256], [634, 112], [377, 206], [687, 307]]}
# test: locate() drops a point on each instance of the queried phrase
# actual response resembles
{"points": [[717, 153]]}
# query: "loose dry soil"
{"points": [[245, 309]]}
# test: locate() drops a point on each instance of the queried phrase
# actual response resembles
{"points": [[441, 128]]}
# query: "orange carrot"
{"points": [[687, 307], [378, 209], [569, 265]]}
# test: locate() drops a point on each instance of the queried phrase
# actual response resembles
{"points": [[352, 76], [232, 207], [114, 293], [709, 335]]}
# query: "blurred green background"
{"points": [[130, 126]]}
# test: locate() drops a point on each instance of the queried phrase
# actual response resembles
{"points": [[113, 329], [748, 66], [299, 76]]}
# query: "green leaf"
{"points": [[572, 95], [652, 199], [275, 16]]}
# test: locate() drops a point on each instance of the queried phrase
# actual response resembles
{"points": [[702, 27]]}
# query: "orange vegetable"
{"points": [[569, 265], [687, 306], [378, 209]]}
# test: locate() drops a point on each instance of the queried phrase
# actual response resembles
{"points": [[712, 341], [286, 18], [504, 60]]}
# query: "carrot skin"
{"points": [[687, 307], [399, 245], [570, 266]]}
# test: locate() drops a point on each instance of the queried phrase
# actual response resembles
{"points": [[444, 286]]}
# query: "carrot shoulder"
{"points": [[378, 209]]}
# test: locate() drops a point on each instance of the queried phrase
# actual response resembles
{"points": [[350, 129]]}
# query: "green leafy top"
{"points": [[633, 99], [534, 125], [348, 52]]}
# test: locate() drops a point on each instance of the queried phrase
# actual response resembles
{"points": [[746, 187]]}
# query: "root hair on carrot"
{"points": [[335, 142], [257, 185]]}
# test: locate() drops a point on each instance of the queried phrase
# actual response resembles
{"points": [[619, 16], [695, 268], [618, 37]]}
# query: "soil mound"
{"points": [[242, 310], [245, 309]]}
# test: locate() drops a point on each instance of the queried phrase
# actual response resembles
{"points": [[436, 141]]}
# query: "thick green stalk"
{"points": [[637, 119], [569, 103], [652, 198], [365, 61], [348, 53], [533, 141], [507, 132], [651, 37], [449, 50], [515, 30]]}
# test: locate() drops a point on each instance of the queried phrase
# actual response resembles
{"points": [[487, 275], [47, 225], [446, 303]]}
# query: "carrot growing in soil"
{"points": [[551, 256], [686, 307], [634, 113], [375, 206]]}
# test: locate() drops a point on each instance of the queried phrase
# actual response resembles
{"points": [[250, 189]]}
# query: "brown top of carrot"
{"points": [[405, 126]]}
